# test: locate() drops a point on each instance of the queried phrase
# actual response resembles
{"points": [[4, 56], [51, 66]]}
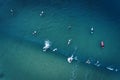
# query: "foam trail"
{"points": [[74, 72], [86, 76]]}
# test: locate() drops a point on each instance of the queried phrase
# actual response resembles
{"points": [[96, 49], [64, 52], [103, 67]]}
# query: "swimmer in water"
{"points": [[70, 59], [102, 44], [97, 64], [42, 12], [92, 30], [11, 11], [69, 41], [34, 32]]}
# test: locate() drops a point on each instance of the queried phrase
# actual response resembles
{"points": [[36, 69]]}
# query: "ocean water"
{"points": [[21, 54]]}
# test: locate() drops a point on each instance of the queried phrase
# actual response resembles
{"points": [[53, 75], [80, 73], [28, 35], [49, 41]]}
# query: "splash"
{"points": [[70, 59], [74, 72], [47, 45]]}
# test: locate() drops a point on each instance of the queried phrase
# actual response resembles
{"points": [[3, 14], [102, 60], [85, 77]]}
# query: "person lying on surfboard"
{"points": [[102, 44]]}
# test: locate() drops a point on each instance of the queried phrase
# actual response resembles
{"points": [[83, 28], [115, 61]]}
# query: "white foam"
{"points": [[110, 68], [97, 64], [92, 29], [47, 45], [88, 62], [76, 58], [116, 70]]}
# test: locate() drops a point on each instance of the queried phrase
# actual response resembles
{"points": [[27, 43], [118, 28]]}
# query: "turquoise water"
{"points": [[22, 57]]}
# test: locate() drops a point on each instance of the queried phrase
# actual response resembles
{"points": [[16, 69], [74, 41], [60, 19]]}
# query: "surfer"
{"points": [[76, 58], [88, 61], [42, 12], [69, 41], [92, 30], [11, 11], [34, 32], [70, 59], [102, 44]]}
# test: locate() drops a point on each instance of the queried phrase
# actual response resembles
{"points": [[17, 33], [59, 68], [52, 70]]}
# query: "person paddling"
{"points": [[92, 30], [102, 44]]}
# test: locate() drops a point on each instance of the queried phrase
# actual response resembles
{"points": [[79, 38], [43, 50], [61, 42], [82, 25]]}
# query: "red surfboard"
{"points": [[102, 44]]}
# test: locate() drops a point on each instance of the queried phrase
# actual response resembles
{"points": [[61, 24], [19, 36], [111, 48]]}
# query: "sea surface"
{"points": [[21, 48]]}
